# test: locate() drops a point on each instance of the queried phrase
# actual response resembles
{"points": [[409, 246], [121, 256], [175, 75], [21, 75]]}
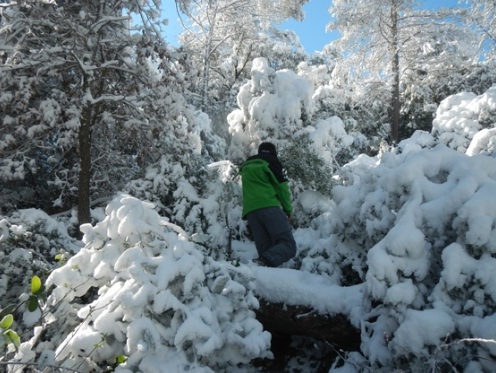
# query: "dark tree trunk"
{"points": [[85, 171]]}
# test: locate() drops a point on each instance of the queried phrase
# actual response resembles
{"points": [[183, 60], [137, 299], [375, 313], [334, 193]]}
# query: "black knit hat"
{"points": [[267, 148]]}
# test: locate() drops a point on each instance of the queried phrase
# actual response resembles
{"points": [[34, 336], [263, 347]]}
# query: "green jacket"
{"points": [[264, 184]]}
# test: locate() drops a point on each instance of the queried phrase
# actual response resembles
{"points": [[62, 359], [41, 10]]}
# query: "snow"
{"points": [[329, 135], [422, 328], [458, 121], [271, 106], [295, 287], [416, 224], [313, 202]]}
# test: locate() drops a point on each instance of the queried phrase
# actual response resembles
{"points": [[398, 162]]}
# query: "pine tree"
{"points": [[383, 41], [77, 110]]}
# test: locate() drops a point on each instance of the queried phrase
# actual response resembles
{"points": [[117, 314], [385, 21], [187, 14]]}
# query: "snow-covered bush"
{"points": [[273, 106], [31, 243], [180, 182], [418, 228], [140, 289], [305, 168], [359, 123], [191, 195], [460, 117], [317, 68]]}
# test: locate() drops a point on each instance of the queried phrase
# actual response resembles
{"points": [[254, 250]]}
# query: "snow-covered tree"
{"points": [[441, 67], [80, 97], [225, 35], [383, 41], [178, 178], [482, 15], [278, 106]]}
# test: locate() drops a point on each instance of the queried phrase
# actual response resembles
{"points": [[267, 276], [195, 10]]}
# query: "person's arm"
{"points": [[285, 197], [281, 187]]}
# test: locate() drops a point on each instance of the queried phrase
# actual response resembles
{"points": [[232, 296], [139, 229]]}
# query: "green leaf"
{"points": [[7, 321], [120, 359], [35, 285], [33, 303], [12, 337]]}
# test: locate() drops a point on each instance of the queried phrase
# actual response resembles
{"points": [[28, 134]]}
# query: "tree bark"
{"points": [[304, 321], [85, 167], [395, 89]]}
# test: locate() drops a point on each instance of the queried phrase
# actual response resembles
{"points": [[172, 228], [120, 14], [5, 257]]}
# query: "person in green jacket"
{"points": [[267, 206]]}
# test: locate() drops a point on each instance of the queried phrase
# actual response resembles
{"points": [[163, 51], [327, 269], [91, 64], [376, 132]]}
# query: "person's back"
{"points": [[264, 184], [267, 206]]}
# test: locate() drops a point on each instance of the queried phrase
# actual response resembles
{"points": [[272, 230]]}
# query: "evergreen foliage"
{"points": [[305, 168]]}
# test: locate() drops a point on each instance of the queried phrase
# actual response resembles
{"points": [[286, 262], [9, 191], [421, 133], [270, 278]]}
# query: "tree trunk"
{"points": [[395, 89], [208, 54], [85, 167]]}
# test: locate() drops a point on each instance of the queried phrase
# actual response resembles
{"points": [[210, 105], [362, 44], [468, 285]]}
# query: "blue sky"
{"points": [[311, 31]]}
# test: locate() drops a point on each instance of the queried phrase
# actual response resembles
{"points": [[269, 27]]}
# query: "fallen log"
{"points": [[305, 321]]}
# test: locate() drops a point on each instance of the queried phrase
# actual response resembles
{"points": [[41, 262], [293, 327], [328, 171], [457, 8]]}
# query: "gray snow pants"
{"points": [[272, 234]]}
